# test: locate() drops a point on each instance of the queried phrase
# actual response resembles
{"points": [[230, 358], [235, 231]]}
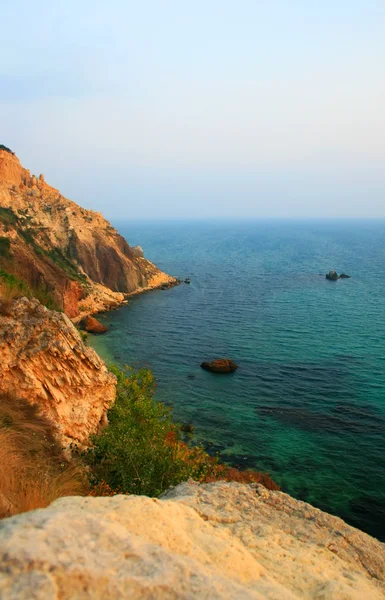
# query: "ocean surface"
{"points": [[308, 401]]}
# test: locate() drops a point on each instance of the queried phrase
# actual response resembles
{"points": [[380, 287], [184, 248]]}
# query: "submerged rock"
{"points": [[344, 276], [187, 280], [220, 365], [187, 427]]}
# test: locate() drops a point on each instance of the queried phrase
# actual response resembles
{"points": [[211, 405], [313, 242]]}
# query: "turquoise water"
{"points": [[308, 401]]}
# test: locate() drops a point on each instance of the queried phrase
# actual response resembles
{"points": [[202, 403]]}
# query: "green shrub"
{"points": [[8, 217], [140, 451], [4, 247], [14, 284], [136, 452], [2, 147], [57, 256]]}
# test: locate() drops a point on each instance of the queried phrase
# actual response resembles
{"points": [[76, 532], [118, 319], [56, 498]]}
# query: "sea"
{"points": [[307, 404]]}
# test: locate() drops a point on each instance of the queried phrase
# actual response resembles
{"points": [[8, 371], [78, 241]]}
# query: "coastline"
{"points": [[102, 299]]}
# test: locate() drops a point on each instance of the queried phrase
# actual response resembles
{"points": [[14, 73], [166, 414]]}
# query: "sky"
{"points": [[205, 109]]}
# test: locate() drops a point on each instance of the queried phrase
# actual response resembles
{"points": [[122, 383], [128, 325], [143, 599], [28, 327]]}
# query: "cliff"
{"points": [[198, 541], [44, 361], [70, 253]]}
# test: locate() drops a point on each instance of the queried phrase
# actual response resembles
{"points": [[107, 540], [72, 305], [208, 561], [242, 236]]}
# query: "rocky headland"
{"points": [[59, 249]]}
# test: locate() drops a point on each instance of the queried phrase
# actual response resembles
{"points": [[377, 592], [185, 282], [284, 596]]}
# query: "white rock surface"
{"points": [[199, 541]]}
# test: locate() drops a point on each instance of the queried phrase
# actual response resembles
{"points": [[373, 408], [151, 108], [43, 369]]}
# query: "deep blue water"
{"points": [[308, 401]]}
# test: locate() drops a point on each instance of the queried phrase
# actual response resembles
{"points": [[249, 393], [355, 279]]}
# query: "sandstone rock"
{"points": [[220, 365], [44, 360], [222, 540], [92, 325]]}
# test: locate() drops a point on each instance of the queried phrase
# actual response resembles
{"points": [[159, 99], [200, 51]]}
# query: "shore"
{"points": [[102, 299]]}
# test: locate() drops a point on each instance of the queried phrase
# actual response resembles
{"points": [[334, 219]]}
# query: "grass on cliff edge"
{"points": [[11, 287], [140, 452], [33, 471]]}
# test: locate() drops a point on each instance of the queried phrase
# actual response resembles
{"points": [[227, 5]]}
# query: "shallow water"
{"points": [[308, 401]]}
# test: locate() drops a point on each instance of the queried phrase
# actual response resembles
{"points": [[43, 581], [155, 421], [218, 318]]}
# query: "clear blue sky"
{"points": [[168, 108]]}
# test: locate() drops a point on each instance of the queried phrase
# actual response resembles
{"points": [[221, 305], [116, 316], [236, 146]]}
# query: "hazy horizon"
{"points": [[259, 110]]}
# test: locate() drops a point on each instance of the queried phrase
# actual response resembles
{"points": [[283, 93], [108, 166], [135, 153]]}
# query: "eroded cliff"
{"points": [[71, 253], [221, 540], [44, 360]]}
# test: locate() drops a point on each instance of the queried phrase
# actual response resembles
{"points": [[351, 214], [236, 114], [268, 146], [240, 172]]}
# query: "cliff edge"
{"points": [[44, 361], [70, 253], [221, 540]]}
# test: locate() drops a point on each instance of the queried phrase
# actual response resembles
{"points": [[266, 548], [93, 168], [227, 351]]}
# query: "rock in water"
{"points": [[212, 541], [220, 365], [92, 325], [332, 276], [344, 276]]}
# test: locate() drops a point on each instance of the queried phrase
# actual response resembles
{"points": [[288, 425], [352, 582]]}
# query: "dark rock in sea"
{"points": [[220, 365], [344, 276], [92, 325], [187, 280], [332, 276], [191, 376], [187, 427]]}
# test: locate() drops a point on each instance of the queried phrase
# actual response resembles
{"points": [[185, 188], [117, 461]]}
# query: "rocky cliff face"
{"points": [[222, 540], [44, 360], [72, 253]]}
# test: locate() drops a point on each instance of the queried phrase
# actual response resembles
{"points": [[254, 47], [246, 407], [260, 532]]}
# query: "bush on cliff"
{"points": [[2, 147], [137, 453], [140, 452]]}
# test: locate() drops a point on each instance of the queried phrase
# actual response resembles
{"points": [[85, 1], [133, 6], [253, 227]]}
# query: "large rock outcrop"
{"points": [[72, 253], [222, 540], [44, 360]]}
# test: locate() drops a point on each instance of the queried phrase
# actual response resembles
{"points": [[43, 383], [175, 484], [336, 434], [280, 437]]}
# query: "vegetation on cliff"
{"points": [[2, 147], [33, 469], [11, 288], [141, 452]]}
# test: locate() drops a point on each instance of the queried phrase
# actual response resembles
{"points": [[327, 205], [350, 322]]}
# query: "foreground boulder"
{"points": [[92, 325], [220, 365], [221, 540]]}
